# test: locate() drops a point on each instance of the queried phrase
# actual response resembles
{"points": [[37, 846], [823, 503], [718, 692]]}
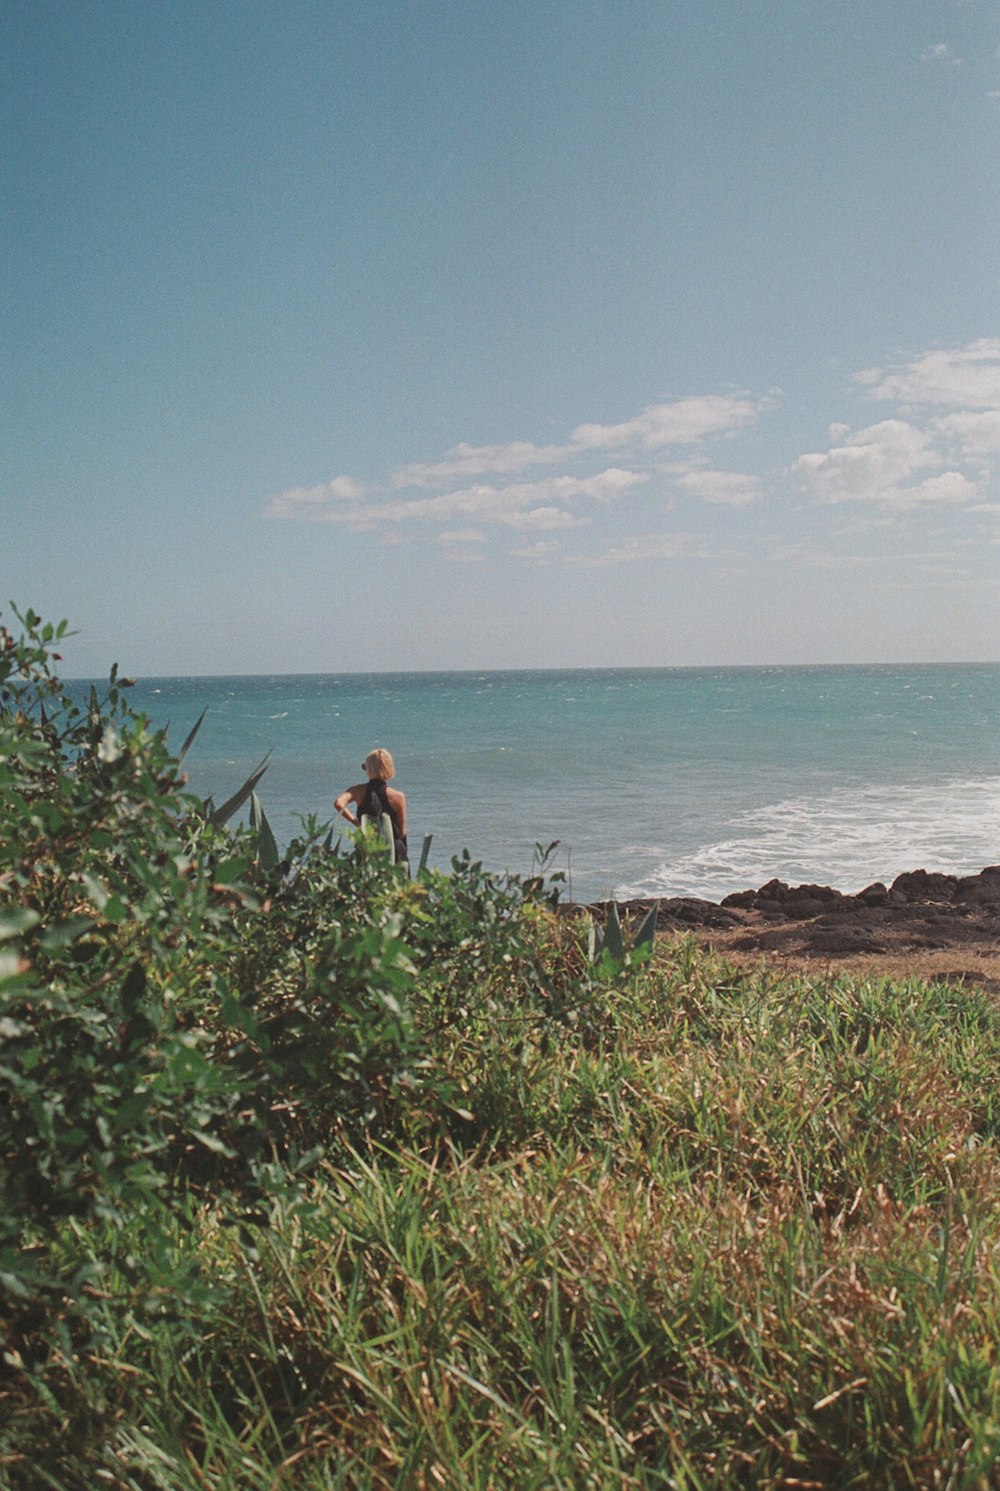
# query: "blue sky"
{"points": [[432, 335]]}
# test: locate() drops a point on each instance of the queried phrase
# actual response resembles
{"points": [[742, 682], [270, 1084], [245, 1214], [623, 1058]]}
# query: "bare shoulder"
{"points": [[350, 794]]}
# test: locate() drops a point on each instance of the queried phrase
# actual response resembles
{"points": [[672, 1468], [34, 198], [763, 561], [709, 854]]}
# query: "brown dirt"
{"points": [[923, 926]]}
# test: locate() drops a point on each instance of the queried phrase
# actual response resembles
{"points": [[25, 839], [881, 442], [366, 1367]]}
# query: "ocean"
{"points": [[653, 782]]}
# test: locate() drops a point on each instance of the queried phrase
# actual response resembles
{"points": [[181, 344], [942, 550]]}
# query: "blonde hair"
{"points": [[379, 765]]}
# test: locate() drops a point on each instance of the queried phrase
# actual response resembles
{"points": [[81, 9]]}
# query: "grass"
{"points": [[717, 1229]]}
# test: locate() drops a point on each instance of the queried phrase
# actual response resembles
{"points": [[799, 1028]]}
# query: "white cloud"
{"points": [[940, 52], [542, 520], [540, 553], [879, 465], [977, 432], [643, 548], [951, 397], [501, 504], [462, 536], [482, 503], [459, 554], [870, 465], [310, 502], [949, 487], [683, 421], [467, 489], [477, 460], [728, 488], [959, 378]]}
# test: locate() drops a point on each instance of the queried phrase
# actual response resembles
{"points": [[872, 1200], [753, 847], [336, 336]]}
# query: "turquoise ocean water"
{"points": [[654, 781]]}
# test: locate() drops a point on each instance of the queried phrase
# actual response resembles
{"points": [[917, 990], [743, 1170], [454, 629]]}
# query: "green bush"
{"points": [[117, 902], [178, 1008]]}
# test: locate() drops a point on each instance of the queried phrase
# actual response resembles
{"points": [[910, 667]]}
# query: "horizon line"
{"points": [[132, 678]]}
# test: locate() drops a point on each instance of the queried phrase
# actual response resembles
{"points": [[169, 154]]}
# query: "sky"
{"points": [[429, 334]]}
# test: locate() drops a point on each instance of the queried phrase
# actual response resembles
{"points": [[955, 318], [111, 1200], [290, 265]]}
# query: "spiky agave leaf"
{"points": [[191, 735], [222, 814], [647, 927], [267, 848], [613, 939]]}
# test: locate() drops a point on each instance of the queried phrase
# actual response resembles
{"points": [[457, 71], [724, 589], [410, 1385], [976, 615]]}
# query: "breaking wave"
{"points": [[847, 838]]}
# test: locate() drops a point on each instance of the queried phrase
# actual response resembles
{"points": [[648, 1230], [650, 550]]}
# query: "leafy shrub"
{"points": [[177, 1006], [115, 895]]}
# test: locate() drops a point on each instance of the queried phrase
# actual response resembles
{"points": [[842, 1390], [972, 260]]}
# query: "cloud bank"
{"points": [[424, 493], [936, 448], [942, 452]]}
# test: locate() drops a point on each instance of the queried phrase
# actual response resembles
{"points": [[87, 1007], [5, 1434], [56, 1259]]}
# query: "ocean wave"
{"points": [[846, 838]]}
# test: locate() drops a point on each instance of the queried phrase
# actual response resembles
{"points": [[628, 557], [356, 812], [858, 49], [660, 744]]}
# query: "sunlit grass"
{"points": [[744, 1233]]}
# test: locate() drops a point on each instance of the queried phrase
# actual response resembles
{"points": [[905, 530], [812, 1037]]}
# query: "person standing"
{"points": [[374, 797]]}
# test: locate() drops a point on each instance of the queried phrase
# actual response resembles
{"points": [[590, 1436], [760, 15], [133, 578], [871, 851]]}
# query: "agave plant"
{"points": [[267, 848], [611, 940]]}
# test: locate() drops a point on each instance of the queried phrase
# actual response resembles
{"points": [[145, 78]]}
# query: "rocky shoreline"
{"points": [[924, 924]]}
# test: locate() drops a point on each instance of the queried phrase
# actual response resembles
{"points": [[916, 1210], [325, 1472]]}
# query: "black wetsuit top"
{"points": [[376, 802]]}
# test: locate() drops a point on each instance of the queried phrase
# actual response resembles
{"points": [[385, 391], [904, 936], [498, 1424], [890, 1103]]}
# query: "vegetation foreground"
{"points": [[317, 1177]]}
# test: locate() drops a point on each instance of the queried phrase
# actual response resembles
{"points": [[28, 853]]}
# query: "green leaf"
{"points": [[267, 848], [191, 735], [222, 814], [61, 934], [11, 969], [647, 929], [96, 892], [212, 1142], [133, 988], [13, 1285], [236, 1014], [613, 940], [16, 921]]}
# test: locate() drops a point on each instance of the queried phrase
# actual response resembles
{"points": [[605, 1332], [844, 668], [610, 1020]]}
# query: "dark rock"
{"points": [[981, 889], [774, 890], [806, 901], [918, 885], [688, 911], [817, 893], [920, 913], [743, 898], [778, 900]]}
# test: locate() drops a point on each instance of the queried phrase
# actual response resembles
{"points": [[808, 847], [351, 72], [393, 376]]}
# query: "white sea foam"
{"points": [[845, 838]]}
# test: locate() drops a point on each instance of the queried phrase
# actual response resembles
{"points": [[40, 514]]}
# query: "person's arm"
{"points": [[398, 800], [342, 804]]}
